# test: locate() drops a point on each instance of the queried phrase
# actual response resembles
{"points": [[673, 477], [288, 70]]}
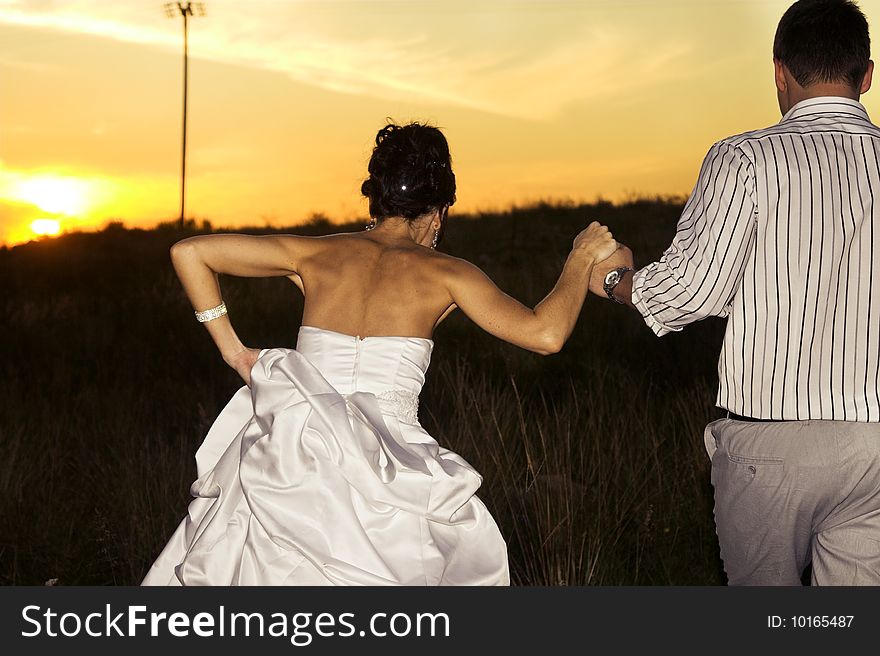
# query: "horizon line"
{"points": [[319, 218]]}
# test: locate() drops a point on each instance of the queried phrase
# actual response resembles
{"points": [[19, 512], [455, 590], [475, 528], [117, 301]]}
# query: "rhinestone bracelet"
{"points": [[213, 313]]}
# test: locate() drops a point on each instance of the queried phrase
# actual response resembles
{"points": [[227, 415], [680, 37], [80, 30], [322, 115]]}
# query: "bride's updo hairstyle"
{"points": [[410, 172]]}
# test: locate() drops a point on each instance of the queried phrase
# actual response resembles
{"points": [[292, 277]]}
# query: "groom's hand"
{"points": [[622, 257]]}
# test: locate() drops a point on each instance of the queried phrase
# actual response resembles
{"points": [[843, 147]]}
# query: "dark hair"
{"points": [[824, 41], [410, 172]]}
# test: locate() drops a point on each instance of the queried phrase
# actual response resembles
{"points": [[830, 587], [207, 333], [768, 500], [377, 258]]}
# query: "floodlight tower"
{"points": [[187, 10]]}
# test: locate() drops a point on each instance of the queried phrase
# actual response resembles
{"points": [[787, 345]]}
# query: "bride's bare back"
{"points": [[367, 285]]}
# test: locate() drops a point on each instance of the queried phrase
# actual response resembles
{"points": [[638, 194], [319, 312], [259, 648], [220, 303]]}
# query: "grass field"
{"points": [[592, 459]]}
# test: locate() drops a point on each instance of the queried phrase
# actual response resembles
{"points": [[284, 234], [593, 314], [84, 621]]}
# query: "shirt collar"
{"points": [[827, 105]]}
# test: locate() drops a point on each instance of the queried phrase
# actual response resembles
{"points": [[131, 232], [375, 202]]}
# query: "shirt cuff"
{"points": [[640, 299]]}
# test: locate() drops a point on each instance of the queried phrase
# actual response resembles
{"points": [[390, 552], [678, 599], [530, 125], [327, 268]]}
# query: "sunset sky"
{"points": [[540, 99]]}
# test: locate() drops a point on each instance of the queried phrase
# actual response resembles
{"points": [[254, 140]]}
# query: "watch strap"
{"points": [[609, 288]]}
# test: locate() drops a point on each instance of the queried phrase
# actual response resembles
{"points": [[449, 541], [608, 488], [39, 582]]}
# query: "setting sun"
{"points": [[42, 202], [46, 227], [54, 194]]}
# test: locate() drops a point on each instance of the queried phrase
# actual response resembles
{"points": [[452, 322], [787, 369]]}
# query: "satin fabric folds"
{"points": [[312, 477]]}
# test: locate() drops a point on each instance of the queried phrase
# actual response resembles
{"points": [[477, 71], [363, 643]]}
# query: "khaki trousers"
{"points": [[795, 492]]}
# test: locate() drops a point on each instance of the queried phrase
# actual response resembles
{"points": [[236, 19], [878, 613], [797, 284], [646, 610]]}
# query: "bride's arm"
{"points": [[545, 328], [199, 260]]}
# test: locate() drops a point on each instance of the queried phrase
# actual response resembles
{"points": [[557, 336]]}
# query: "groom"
{"points": [[782, 237]]}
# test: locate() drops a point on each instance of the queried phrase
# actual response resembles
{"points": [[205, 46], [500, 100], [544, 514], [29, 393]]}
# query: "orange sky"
{"points": [[540, 99]]}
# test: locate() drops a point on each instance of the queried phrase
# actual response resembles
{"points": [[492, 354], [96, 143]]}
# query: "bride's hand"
{"points": [[595, 241], [243, 362]]}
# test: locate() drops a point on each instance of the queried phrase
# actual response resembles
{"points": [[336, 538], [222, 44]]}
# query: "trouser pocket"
{"points": [[710, 439]]}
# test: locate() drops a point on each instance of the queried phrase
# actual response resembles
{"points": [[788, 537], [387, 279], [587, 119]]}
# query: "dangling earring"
{"points": [[372, 224], [442, 216]]}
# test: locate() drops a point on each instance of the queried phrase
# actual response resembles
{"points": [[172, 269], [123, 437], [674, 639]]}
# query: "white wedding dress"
{"points": [[320, 474]]}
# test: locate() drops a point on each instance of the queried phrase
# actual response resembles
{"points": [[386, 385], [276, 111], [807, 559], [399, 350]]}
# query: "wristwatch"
{"points": [[611, 279]]}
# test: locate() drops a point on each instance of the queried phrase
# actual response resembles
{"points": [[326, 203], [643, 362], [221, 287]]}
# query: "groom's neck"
{"points": [[823, 90]]}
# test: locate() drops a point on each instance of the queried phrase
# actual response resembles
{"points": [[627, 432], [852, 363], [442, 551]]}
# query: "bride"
{"points": [[317, 472]]}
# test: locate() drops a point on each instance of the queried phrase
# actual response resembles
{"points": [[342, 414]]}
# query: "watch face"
{"points": [[612, 277]]}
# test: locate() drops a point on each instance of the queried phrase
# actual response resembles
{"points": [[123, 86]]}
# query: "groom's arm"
{"points": [[699, 273]]}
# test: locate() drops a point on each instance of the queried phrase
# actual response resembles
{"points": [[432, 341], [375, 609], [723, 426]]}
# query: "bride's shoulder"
{"points": [[314, 242], [450, 265], [327, 249]]}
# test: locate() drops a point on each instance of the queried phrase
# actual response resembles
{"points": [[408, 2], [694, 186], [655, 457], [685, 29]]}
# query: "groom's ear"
{"points": [[866, 81], [779, 75]]}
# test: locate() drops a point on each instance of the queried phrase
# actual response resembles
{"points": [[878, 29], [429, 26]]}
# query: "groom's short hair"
{"points": [[824, 41]]}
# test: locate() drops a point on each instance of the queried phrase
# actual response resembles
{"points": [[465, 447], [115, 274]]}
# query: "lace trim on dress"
{"points": [[401, 403]]}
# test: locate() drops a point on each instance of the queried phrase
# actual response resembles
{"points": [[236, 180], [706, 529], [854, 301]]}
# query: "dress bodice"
{"points": [[378, 365]]}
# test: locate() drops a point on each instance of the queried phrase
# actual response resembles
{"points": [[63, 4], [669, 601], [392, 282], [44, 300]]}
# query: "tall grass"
{"points": [[592, 459]]}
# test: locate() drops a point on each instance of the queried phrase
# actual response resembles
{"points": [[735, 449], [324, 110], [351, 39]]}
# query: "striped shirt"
{"points": [[782, 237]]}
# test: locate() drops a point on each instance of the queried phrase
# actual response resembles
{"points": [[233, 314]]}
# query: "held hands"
{"points": [[622, 257], [243, 362], [596, 242]]}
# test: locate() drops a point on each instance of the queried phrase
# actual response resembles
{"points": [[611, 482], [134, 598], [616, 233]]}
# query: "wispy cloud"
{"points": [[483, 56]]}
